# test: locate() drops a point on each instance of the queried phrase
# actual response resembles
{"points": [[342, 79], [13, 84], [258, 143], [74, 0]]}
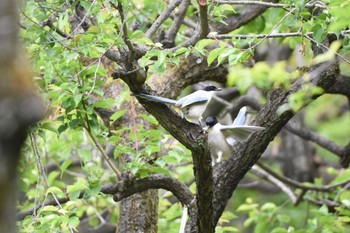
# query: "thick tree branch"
{"points": [[124, 189], [228, 173], [180, 190], [341, 86]]}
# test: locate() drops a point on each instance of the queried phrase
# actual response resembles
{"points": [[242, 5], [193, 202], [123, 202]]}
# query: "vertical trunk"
{"points": [[18, 109], [139, 213]]}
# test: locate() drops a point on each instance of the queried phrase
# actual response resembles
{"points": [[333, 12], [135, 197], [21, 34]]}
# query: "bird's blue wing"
{"points": [[240, 119], [239, 133]]}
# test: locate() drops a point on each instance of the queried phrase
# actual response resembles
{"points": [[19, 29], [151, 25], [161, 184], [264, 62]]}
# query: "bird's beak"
{"points": [[219, 89]]}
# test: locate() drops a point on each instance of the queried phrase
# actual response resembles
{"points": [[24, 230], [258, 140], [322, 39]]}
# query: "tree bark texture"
{"points": [[139, 213]]}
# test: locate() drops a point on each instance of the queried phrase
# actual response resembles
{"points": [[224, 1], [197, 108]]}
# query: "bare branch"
{"points": [[325, 47], [49, 23], [163, 16], [319, 140], [265, 175], [131, 56], [295, 184], [269, 4], [203, 14], [272, 35], [326, 202], [178, 20]]}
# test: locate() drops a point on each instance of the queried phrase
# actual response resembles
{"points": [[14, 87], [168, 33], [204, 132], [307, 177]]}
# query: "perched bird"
{"points": [[221, 138], [192, 105]]}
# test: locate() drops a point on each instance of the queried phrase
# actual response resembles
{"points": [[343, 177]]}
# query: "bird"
{"points": [[222, 138], [192, 106]]}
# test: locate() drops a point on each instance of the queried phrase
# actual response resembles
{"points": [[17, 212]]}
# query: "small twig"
{"points": [[325, 47], [269, 4], [274, 27], [271, 35], [341, 191], [126, 39], [57, 30], [134, 126], [105, 156], [263, 174], [162, 17], [327, 202], [83, 19], [295, 184]]}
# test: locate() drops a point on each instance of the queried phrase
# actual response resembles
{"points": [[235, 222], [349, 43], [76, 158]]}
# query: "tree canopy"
{"points": [[103, 160]]}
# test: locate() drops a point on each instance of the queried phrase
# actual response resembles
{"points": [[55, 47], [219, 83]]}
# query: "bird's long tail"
{"points": [[240, 119], [155, 98]]}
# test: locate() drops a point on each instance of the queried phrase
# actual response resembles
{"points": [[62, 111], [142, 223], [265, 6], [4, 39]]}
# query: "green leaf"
{"points": [[73, 222], [49, 126], [55, 190], [65, 165], [117, 115], [149, 118], [49, 208], [74, 190], [214, 54], [104, 103], [203, 43]]}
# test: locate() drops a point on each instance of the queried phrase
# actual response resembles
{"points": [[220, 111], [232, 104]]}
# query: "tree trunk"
{"points": [[139, 213], [18, 109]]}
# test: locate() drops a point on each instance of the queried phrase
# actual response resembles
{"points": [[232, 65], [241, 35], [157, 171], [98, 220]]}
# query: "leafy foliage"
{"points": [[62, 158]]}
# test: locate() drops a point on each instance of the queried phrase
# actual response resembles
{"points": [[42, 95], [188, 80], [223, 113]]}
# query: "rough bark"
{"points": [[138, 213]]}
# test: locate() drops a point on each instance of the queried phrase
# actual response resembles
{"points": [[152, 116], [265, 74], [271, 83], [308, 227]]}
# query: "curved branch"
{"points": [[180, 190], [124, 189], [341, 86]]}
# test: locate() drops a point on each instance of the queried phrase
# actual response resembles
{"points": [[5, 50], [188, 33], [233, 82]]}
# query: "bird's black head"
{"points": [[211, 88], [211, 121]]}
